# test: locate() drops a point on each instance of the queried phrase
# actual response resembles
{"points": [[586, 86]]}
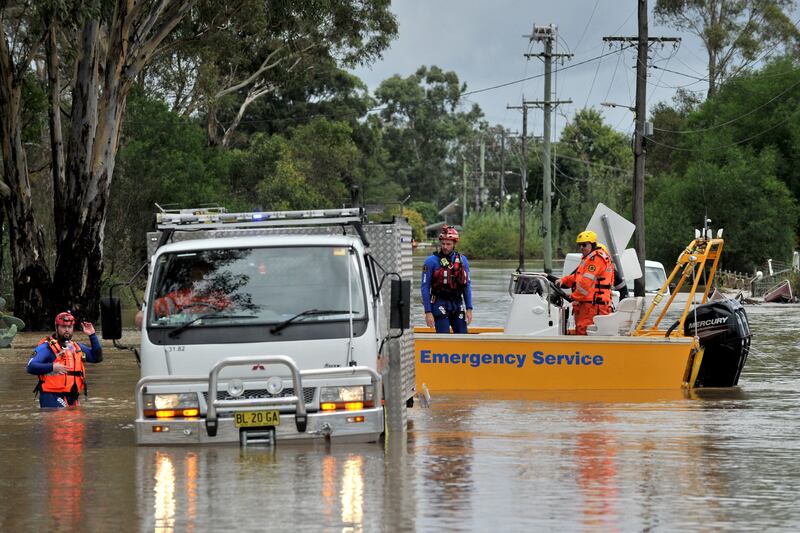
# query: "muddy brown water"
{"points": [[627, 461]]}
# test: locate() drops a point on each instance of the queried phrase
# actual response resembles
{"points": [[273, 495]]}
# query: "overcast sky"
{"points": [[482, 41]]}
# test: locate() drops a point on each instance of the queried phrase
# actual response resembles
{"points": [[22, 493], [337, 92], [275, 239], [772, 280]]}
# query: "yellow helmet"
{"points": [[587, 236]]}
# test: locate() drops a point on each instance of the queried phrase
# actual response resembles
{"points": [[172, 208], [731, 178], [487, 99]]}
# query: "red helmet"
{"points": [[65, 319], [448, 232]]}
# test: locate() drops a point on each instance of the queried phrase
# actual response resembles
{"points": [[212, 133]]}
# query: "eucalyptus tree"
{"points": [[735, 33], [231, 55], [426, 132], [93, 52], [22, 37]]}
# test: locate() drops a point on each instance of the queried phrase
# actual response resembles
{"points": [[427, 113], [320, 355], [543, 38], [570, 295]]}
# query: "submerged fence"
{"points": [[772, 273]]}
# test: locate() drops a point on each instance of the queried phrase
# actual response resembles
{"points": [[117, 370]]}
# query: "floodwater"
{"points": [[610, 461]]}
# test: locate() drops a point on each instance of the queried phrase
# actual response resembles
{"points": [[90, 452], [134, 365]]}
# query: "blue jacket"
{"points": [[431, 264], [43, 357]]}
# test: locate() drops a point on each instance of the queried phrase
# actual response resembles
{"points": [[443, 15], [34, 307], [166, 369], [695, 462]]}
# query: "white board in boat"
{"points": [[621, 229]]}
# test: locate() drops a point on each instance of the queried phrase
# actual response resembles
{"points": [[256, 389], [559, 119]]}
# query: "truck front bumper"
{"points": [[339, 426]]}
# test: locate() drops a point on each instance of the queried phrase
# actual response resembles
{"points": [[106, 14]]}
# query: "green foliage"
{"points": [[422, 131], [594, 165], [427, 210], [327, 155], [760, 110], [492, 235], [34, 110], [162, 159], [269, 169], [414, 218], [738, 191], [734, 33]]}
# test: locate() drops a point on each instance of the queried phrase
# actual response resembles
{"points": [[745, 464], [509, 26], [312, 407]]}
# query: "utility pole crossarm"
{"points": [[542, 103], [546, 55], [635, 39]]}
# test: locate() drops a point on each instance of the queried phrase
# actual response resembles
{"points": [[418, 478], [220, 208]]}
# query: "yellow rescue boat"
{"points": [[706, 347]]}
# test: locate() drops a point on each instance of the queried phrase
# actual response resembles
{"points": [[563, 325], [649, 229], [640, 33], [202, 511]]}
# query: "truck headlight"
{"points": [[350, 397], [183, 404]]}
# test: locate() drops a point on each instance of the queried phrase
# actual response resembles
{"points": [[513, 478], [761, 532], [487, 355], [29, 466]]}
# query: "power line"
{"points": [[596, 2], [723, 146], [735, 119], [572, 65]]}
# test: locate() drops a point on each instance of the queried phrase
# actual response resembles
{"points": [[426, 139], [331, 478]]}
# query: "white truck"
{"points": [[269, 326]]}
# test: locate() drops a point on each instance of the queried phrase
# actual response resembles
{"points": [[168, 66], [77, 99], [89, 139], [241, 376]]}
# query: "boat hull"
{"points": [[494, 361]]}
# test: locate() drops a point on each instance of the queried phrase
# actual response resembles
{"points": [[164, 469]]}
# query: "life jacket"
{"points": [[604, 279], [74, 381], [449, 280]]}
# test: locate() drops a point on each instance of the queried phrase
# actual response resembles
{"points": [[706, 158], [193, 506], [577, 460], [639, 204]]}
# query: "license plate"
{"points": [[250, 419]]}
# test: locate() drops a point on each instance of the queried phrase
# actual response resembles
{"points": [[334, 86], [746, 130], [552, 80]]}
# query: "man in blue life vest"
{"points": [[58, 362], [446, 289]]}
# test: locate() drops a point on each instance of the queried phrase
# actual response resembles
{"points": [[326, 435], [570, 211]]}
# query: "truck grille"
{"points": [[308, 394]]}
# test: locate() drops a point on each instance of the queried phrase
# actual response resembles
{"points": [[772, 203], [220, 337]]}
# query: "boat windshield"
{"points": [[256, 286]]}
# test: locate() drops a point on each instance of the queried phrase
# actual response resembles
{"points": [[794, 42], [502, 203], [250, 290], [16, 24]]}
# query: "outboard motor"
{"points": [[724, 332]]}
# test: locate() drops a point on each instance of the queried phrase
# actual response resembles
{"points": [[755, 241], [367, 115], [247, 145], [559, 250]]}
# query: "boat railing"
{"points": [[690, 268]]}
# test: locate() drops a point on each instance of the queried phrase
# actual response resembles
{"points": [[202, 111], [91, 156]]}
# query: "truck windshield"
{"points": [[255, 286]]}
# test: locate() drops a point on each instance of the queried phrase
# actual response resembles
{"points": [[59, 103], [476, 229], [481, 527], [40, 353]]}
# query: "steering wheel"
{"points": [[557, 294]]}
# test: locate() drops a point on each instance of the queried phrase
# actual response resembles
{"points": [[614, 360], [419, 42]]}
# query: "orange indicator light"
{"points": [[329, 406], [165, 413], [354, 406]]}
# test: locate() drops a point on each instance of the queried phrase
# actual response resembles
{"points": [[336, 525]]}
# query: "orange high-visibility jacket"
{"points": [[592, 280]]}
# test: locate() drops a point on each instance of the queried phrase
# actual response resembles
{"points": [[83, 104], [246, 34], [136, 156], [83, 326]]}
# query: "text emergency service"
{"points": [[511, 359]]}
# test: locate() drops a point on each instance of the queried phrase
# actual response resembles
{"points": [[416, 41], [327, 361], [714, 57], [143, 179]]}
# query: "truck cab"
{"points": [[256, 332]]}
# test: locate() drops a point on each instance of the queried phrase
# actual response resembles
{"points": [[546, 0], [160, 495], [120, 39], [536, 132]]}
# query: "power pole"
{"points": [[464, 207], [483, 192], [642, 41], [638, 145], [546, 34], [523, 181], [502, 192]]}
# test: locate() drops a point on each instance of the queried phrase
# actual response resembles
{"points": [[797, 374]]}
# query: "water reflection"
{"points": [[447, 461], [182, 489], [164, 494], [352, 494], [595, 457], [64, 437]]}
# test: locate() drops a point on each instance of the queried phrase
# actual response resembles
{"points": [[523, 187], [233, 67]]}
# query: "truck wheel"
{"points": [[410, 402]]}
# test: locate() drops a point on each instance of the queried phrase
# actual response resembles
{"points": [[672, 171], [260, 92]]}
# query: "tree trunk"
{"points": [[212, 128], [712, 74], [132, 37], [54, 114], [30, 274]]}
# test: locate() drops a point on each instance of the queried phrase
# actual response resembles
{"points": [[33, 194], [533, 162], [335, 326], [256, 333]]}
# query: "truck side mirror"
{"points": [[400, 314], [111, 318]]}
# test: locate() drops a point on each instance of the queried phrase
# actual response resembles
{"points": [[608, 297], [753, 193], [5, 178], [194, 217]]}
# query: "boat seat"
{"points": [[620, 322]]}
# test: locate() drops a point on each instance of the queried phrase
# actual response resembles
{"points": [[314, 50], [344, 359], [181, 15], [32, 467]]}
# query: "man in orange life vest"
{"points": [[446, 289], [58, 361], [590, 283]]}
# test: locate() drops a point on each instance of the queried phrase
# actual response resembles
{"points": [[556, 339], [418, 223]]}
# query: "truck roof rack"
{"points": [[218, 217]]}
